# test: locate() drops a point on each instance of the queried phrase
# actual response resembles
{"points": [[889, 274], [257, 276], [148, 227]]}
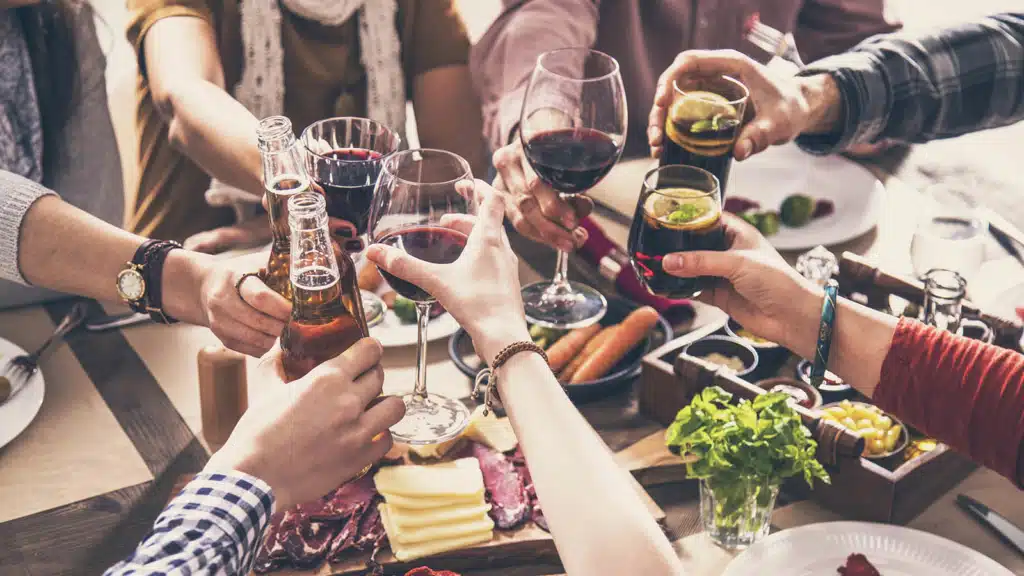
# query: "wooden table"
{"points": [[120, 424]]}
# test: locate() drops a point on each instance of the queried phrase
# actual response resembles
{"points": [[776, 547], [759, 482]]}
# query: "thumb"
{"points": [[703, 263], [394, 261], [270, 365]]}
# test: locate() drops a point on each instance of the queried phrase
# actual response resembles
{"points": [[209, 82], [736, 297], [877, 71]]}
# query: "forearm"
{"points": [[599, 524], [502, 61], [216, 132], [861, 338], [201, 529], [69, 250], [920, 88]]}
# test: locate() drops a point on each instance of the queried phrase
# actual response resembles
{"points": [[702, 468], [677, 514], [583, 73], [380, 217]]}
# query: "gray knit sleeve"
{"points": [[17, 194]]}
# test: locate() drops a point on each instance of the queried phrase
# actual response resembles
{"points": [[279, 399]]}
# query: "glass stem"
{"points": [[422, 318], [561, 278]]}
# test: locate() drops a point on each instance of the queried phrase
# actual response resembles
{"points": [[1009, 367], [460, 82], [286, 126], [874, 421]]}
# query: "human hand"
{"points": [[311, 435], [755, 285], [535, 209], [248, 318], [252, 232], [481, 288], [784, 107]]}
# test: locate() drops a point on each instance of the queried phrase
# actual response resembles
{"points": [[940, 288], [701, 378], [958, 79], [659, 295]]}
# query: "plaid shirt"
{"points": [[920, 88], [213, 527]]}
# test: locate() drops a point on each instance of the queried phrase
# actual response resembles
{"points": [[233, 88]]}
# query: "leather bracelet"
{"points": [[154, 271], [490, 392]]}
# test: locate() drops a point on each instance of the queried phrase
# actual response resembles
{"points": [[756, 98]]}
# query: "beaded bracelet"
{"points": [[490, 393], [824, 344]]}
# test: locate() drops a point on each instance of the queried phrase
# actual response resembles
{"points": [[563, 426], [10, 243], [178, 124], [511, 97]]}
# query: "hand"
{"points": [[481, 288], [756, 286], [249, 324], [253, 232], [534, 208], [311, 435], [784, 107]]}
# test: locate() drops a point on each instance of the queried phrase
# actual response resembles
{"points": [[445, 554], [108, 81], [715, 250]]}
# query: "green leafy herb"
{"points": [[405, 309], [759, 443]]}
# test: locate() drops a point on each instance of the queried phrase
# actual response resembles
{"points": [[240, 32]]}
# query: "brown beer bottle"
{"points": [[283, 177], [327, 311]]}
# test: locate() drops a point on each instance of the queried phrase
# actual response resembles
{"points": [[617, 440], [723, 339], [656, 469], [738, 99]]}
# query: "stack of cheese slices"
{"points": [[432, 509]]}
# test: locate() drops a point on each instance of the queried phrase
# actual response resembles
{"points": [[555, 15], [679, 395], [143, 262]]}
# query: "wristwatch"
{"points": [[139, 283]]}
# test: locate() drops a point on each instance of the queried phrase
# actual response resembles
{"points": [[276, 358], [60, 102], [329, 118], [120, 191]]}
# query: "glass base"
{"points": [[563, 307], [430, 420]]}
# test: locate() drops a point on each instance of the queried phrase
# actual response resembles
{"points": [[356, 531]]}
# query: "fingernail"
{"points": [[354, 245], [345, 232], [672, 262], [579, 235], [743, 150]]}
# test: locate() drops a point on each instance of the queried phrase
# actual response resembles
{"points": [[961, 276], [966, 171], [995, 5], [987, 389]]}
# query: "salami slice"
{"points": [[506, 491]]}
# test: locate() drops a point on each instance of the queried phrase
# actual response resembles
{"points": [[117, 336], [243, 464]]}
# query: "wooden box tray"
{"points": [[861, 489]]}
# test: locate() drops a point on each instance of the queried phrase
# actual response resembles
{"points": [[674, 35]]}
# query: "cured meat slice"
{"points": [[536, 514], [858, 565], [272, 555], [363, 531], [506, 491], [424, 571], [344, 501]]}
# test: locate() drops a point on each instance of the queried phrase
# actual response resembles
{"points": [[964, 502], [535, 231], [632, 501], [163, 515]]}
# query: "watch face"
{"points": [[131, 285]]}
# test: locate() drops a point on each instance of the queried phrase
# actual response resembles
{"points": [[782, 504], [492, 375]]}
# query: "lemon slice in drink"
{"points": [[701, 105], [682, 208]]}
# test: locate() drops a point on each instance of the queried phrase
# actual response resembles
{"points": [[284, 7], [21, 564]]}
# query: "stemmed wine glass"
{"points": [[572, 128], [416, 189]]}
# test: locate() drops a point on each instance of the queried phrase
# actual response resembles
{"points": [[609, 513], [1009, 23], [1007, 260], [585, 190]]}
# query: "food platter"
{"points": [[780, 171], [894, 550]]}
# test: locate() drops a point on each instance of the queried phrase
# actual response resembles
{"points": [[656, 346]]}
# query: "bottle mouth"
{"points": [[273, 128], [305, 205]]}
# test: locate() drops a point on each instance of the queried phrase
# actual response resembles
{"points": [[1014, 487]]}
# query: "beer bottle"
{"points": [[327, 311], [283, 177]]}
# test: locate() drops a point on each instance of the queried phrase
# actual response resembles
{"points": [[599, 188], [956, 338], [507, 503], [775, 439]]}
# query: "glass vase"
{"points": [[736, 514]]}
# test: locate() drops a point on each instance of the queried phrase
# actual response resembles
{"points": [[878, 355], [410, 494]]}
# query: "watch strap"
{"points": [[138, 262], [153, 272]]}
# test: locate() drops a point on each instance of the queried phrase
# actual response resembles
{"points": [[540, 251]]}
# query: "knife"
{"points": [[104, 323], [1002, 527], [1004, 232]]}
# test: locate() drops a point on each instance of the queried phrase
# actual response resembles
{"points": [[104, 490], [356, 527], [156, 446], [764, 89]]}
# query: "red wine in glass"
{"points": [[571, 160], [348, 184], [434, 244]]}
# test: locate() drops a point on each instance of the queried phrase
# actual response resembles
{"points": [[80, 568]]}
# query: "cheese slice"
{"points": [[411, 518], [459, 478], [406, 552], [431, 503], [435, 450], [491, 431], [437, 531]]}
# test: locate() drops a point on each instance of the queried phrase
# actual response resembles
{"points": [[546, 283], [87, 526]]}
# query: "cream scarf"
{"points": [[261, 88]]}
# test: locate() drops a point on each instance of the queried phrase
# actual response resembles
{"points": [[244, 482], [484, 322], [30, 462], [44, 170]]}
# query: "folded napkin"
{"points": [[598, 245]]}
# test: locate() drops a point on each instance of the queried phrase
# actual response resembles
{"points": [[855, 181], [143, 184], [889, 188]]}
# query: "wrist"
{"points": [[493, 338], [801, 336], [824, 103], [183, 276]]}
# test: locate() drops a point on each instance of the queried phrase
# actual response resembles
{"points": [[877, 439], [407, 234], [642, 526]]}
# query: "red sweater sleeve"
{"points": [[965, 393]]}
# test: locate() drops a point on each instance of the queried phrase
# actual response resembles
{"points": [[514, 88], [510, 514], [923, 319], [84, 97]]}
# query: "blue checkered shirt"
{"points": [[915, 88], [213, 527]]}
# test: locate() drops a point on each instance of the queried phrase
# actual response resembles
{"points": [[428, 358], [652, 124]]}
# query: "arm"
{"points": [[199, 530], [827, 27], [923, 88], [599, 523], [447, 114], [179, 56], [502, 61], [49, 243]]}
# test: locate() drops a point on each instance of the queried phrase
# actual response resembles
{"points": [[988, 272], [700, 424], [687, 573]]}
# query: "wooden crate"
{"points": [[861, 489]]}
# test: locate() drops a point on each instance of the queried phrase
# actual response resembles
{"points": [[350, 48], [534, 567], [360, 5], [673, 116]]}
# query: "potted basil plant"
{"points": [[744, 452]]}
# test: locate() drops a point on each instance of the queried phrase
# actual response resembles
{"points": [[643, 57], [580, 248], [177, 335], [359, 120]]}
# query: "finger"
{"points": [[548, 232], [243, 347], [397, 262], [508, 162], [342, 228], [270, 362], [739, 234], [348, 366], [380, 445], [270, 304], [553, 207], [238, 333], [383, 415], [240, 312], [582, 206], [703, 263], [367, 387], [459, 222]]}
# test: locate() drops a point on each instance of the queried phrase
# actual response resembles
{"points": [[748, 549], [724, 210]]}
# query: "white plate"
{"points": [[819, 549], [392, 332], [768, 178], [18, 412]]}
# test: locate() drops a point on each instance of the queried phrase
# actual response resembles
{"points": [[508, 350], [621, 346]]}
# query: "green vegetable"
{"points": [[687, 213], [911, 310], [543, 337], [702, 126], [797, 210], [750, 443], [752, 217], [405, 309], [768, 223]]}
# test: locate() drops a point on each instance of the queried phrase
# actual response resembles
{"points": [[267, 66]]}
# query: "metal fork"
{"points": [[22, 367], [771, 40]]}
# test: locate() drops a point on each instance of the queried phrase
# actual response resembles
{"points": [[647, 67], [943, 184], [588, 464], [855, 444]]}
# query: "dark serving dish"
{"points": [[460, 348], [726, 346]]}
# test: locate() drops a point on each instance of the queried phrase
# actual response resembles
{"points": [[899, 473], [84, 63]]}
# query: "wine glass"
{"points": [[416, 189], [573, 129]]}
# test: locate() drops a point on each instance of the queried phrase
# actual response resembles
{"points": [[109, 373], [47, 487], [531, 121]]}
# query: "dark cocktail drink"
{"points": [[681, 213], [703, 123]]}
